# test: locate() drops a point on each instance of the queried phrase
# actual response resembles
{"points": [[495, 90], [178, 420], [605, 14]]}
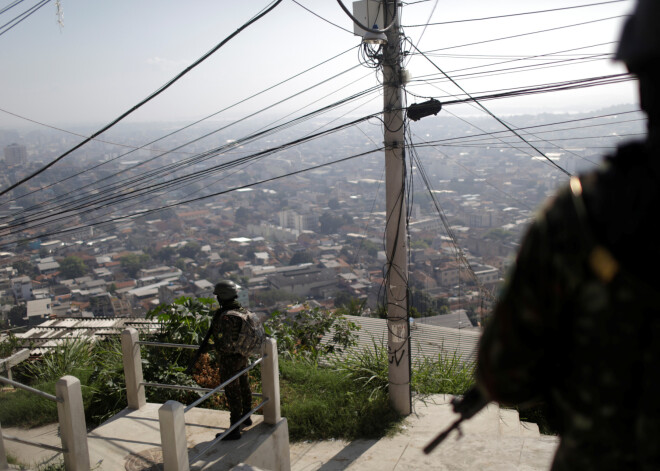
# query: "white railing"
{"points": [[171, 415], [71, 415]]}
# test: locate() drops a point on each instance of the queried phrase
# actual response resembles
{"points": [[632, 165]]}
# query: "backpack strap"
{"points": [[601, 261]]}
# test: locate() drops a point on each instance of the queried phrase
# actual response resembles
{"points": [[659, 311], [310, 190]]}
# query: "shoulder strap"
{"points": [[601, 260]]}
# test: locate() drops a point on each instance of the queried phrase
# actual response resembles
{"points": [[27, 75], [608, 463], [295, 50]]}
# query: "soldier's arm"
{"points": [[512, 364]]}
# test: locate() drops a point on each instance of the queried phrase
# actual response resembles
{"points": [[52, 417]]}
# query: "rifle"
{"points": [[467, 406], [202, 347]]}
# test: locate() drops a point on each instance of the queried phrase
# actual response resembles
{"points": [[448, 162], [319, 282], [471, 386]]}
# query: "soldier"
{"points": [[235, 333], [578, 324]]}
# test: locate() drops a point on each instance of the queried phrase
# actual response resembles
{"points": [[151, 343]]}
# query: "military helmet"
{"points": [[639, 46], [226, 290]]}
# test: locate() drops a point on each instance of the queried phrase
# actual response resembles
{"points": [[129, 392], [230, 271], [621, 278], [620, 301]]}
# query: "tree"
{"points": [[166, 254], [334, 204], [301, 257], [242, 214], [132, 263], [330, 223], [16, 315], [25, 268], [190, 250], [72, 267], [302, 335], [228, 266]]}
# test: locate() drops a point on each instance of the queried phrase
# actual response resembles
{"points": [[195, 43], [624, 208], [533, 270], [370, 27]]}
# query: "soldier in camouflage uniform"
{"points": [[226, 330], [578, 325]]}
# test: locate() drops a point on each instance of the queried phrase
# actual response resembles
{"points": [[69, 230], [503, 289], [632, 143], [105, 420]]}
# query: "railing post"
{"points": [[73, 431], [132, 369], [270, 382], [3, 455], [173, 436]]}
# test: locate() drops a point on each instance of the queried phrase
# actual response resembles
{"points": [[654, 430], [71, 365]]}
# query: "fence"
{"points": [[171, 415], [71, 415]]}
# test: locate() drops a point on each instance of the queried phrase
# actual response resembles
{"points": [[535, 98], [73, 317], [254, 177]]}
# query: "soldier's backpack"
{"points": [[251, 336]]}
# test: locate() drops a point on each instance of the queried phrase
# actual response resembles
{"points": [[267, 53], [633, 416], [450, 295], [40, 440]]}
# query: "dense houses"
{"points": [[316, 237]]}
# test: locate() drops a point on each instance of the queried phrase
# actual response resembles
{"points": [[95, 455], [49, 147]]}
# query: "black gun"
{"points": [[468, 406]]}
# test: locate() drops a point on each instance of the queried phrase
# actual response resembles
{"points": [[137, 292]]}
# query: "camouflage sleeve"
{"points": [[228, 330], [517, 342]]}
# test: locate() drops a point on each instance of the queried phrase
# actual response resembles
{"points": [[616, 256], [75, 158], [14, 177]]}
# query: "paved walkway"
{"points": [[493, 440], [30, 455]]}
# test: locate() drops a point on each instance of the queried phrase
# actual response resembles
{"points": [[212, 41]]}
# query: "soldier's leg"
{"points": [[246, 393], [229, 366]]}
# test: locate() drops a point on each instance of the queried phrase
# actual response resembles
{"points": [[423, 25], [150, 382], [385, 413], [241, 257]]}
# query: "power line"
{"points": [[512, 14], [545, 88], [493, 115], [23, 16], [146, 100], [527, 34], [521, 68], [319, 16], [10, 6]]}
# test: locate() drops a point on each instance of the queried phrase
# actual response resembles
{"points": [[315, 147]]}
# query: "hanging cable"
{"points": [[146, 100], [424, 25], [493, 116]]}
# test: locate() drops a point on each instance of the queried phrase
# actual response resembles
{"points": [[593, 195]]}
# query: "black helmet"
{"points": [[226, 290], [639, 46]]}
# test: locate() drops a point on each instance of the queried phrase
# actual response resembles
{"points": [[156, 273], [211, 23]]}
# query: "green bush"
{"points": [[301, 335], [106, 383]]}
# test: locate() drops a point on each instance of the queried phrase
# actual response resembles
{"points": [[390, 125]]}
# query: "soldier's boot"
{"points": [[234, 434], [247, 422]]}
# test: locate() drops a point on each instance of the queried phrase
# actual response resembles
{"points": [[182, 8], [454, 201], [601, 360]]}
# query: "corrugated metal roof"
{"points": [[427, 341], [54, 332]]}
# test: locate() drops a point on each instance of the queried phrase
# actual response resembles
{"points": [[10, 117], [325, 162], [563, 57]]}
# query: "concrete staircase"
{"points": [[495, 439]]}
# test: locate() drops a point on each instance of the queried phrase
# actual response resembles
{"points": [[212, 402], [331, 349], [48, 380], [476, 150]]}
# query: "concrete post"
{"points": [[3, 455], [132, 369], [73, 430], [270, 382], [398, 340], [173, 436]]}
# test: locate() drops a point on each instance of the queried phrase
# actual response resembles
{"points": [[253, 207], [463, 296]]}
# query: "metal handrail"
{"points": [[175, 386], [29, 442], [171, 345], [222, 385], [29, 389], [229, 430]]}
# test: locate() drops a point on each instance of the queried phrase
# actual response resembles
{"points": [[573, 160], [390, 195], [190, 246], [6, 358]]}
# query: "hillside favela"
{"points": [[352, 208]]}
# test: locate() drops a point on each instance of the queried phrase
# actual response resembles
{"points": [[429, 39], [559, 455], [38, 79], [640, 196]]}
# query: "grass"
{"points": [[322, 403], [20, 408], [54, 466]]}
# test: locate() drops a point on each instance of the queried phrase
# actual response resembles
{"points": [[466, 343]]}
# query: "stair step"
{"points": [[510, 423], [530, 429]]}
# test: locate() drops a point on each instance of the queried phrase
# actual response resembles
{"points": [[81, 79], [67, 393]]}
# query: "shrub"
{"points": [[302, 334]]}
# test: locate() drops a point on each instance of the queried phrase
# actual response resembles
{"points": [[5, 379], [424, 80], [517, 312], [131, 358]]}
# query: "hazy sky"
{"points": [[110, 55]]}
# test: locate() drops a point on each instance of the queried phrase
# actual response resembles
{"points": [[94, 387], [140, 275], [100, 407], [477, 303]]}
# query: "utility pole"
{"points": [[398, 338]]}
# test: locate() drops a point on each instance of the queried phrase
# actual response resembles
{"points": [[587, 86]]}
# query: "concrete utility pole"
{"points": [[398, 339]]}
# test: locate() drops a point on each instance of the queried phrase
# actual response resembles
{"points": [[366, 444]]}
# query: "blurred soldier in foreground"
{"points": [[236, 334], [578, 324]]}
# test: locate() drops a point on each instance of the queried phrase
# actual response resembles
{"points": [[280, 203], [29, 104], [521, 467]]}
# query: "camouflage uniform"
{"points": [[226, 330], [577, 324]]}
